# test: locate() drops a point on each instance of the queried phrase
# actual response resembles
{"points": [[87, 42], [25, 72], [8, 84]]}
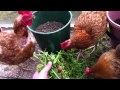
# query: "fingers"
{"points": [[47, 68], [44, 73], [36, 75]]}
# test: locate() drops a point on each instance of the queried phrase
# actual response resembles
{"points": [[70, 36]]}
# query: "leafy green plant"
{"points": [[44, 58], [71, 67]]}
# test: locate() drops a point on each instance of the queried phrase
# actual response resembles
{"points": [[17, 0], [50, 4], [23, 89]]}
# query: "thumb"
{"points": [[44, 73], [47, 68]]}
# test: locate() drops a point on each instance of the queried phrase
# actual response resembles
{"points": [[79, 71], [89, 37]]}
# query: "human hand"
{"points": [[44, 72]]}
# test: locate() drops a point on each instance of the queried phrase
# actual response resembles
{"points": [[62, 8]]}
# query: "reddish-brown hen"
{"points": [[89, 28], [107, 66], [16, 46]]}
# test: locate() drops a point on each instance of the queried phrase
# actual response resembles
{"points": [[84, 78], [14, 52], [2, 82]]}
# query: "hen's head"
{"points": [[87, 71], [26, 18], [66, 45]]}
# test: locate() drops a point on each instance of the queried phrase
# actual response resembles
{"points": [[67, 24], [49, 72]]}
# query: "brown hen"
{"points": [[88, 29], [17, 45], [107, 66]]}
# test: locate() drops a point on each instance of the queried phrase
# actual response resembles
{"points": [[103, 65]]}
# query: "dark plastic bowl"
{"points": [[113, 40], [51, 41], [114, 27]]}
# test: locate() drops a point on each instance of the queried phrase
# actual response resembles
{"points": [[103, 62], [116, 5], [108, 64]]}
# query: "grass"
{"points": [[72, 68]]}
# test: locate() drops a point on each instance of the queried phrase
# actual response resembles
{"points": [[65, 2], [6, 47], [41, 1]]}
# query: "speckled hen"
{"points": [[107, 66], [16, 46], [88, 29]]}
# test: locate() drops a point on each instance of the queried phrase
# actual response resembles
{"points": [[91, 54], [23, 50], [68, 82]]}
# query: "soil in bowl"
{"points": [[49, 26], [117, 21]]}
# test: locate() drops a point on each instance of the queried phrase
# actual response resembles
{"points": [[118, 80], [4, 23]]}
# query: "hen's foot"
{"points": [[94, 48], [80, 54]]}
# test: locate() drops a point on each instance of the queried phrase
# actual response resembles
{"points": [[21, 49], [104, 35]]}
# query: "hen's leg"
{"points": [[80, 54], [94, 48]]}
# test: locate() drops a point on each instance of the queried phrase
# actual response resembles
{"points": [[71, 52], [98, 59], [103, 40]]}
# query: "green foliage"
{"points": [[71, 67]]}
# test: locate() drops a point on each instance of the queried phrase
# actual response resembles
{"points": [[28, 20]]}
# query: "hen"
{"points": [[88, 29], [107, 66], [16, 46]]}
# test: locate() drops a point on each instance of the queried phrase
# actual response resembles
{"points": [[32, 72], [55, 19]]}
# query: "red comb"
{"points": [[87, 71], [26, 18], [24, 12]]}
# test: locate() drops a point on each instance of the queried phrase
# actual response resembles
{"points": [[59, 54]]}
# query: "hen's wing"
{"points": [[94, 22], [80, 39], [12, 48]]}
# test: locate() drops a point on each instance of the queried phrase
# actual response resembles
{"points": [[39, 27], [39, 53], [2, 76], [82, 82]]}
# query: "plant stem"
{"points": [[39, 59], [55, 74]]}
